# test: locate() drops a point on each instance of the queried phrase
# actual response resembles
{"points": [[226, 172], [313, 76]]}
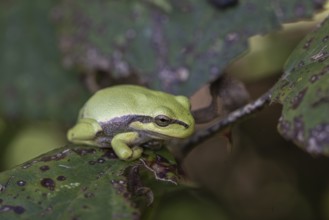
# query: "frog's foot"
{"points": [[126, 153], [137, 153], [129, 154], [120, 144]]}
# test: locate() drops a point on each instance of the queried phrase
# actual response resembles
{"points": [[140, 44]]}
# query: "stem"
{"points": [[226, 122]]}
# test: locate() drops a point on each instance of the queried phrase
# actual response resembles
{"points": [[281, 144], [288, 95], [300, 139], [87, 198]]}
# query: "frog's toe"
{"points": [[125, 154], [137, 153]]}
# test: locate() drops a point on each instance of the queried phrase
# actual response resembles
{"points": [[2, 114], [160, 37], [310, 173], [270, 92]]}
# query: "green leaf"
{"points": [[33, 83], [303, 90], [176, 46], [77, 182]]}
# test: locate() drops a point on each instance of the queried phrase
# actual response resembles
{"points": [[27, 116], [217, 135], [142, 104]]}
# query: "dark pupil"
{"points": [[162, 120]]}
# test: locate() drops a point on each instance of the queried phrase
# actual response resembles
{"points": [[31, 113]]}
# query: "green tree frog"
{"points": [[129, 117]]}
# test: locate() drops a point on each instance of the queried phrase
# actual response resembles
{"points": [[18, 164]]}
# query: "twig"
{"points": [[226, 122]]}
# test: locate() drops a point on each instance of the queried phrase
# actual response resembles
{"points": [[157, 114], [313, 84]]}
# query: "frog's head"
{"points": [[169, 117]]}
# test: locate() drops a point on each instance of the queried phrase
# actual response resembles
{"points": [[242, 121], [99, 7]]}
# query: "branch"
{"points": [[226, 122]]}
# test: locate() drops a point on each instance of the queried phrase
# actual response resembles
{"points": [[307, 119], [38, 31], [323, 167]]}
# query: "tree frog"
{"points": [[129, 117]]}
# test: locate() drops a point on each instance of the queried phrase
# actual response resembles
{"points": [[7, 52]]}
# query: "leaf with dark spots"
{"points": [[63, 184], [177, 46], [303, 90]]}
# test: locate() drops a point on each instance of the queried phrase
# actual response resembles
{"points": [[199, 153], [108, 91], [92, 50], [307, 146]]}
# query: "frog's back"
{"points": [[117, 101]]}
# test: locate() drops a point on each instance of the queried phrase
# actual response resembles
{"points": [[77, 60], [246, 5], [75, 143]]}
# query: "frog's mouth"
{"points": [[174, 121], [153, 144], [157, 136]]}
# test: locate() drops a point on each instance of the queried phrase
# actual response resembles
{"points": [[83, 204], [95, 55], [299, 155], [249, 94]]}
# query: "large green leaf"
{"points": [[172, 45], [303, 90], [33, 83], [175, 46], [77, 182]]}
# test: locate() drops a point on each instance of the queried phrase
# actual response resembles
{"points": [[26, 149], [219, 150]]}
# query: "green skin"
{"points": [[129, 118]]}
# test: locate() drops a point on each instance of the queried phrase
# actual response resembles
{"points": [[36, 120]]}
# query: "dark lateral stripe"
{"points": [[148, 119], [128, 119], [180, 123]]}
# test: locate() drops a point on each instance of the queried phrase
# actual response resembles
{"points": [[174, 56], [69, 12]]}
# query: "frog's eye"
{"points": [[162, 120]]}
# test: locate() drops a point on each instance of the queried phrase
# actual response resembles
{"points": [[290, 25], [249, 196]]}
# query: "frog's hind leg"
{"points": [[84, 132]]}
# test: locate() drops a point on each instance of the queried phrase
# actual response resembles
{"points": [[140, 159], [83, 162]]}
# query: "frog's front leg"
{"points": [[120, 144]]}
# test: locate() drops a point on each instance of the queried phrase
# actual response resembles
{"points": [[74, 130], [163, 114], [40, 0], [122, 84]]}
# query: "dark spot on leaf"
{"points": [[223, 4], [109, 153], [296, 100], [19, 210], [100, 160], [160, 159], [321, 98], [320, 56], [120, 186], [292, 131], [84, 151], [15, 209], [47, 211], [21, 183], [99, 175], [85, 207], [15, 196], [324, 70], [26, 165], [323, 57], [92, 162], [56, 157], [48, 183], [44, 168], [314, 78], [231, 37], [319, 137], [1, 201], [75, 218], [84, 189], [298, 129], [301, 64], [308, 43], [89, 195], [325, 39], [61, 178]]}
